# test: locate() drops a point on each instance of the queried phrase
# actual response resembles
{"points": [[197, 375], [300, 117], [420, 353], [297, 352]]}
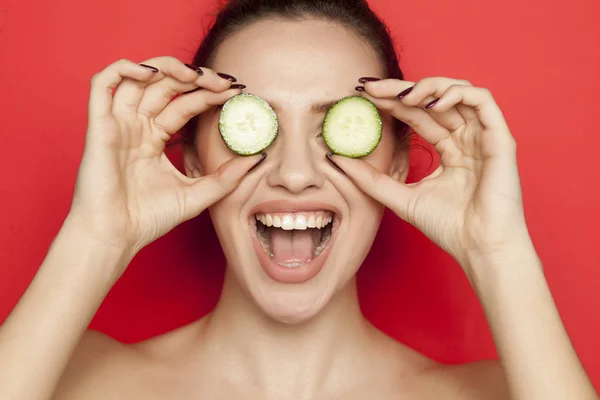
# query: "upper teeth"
{"points": [[301, 221]]}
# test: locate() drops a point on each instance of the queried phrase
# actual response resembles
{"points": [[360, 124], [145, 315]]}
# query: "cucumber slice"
{"points": [[352, 127], [247, 124]]}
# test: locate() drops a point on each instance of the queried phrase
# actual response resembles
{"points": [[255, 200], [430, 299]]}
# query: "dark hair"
{"points": [[353, 14]]}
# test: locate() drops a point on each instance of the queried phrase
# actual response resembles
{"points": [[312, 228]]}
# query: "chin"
{"points": [[292, 308]]}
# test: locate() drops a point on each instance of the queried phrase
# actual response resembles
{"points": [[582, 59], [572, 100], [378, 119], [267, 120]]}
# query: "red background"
{"points": [[541, 59]]}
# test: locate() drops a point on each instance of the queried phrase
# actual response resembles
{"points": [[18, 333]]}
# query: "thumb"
{"points": [[211, 188], [382, 187]]}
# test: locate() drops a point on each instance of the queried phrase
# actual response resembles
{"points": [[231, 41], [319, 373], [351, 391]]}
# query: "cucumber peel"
{"points": [[353, 127], [247, 124]]}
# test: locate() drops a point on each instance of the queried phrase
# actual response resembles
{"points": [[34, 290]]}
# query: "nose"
{"points": [[297, 163]]}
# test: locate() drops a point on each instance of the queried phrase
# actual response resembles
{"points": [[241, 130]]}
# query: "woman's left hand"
{"points": [[471, 205]]}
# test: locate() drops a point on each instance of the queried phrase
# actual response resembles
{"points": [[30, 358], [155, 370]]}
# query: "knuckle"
{"points": [[96, 79], [427, 82], [170, 59], [485, 92], [487, 96], [122, 63], [157, 60], [465, 82], [167, 64], [455, 88]]}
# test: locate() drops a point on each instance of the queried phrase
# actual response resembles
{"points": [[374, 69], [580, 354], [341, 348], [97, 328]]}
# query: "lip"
{"points": [[307, 271]]}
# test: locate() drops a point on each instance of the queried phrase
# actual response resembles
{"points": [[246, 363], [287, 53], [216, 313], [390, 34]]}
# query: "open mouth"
{"points": [[293, 246], [293, 240]]}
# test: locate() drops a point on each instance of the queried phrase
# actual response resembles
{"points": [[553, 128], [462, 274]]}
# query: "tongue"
{"points": [[293, 246]]}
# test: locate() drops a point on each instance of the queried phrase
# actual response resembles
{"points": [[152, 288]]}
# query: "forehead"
{"points": [[297, 61]]}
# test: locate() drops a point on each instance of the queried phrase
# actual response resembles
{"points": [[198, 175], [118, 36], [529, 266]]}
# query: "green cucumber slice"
{"points": [[247, 124], [352, 127]]}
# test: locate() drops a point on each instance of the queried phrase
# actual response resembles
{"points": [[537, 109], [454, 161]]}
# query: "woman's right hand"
{"points": [[127, 192]]}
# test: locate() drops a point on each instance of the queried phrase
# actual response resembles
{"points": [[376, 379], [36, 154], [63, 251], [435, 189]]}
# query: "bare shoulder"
{"points": [[104, 368], [97, 365], [474, 381], [424, 379]]}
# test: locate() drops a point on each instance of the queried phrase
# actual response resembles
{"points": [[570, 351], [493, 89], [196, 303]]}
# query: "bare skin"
{"points": [[266, 339], [167, 367]]}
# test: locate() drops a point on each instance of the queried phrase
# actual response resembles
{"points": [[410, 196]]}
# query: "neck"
{"points": [[283, 359]]}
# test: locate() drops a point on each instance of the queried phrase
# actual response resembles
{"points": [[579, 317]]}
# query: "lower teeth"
{"points": [[290, 264]]}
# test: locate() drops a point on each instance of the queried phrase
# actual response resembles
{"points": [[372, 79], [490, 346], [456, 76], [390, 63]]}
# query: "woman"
{"points": [[288, 324]]}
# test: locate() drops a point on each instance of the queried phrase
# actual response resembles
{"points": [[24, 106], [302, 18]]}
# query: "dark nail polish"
{"points": [[431, 104], [150, 67], [263, 156], [329, 158], [197, 69], [227, 76], [360, 88], [404, 93], [368, 79], [237, 86]]}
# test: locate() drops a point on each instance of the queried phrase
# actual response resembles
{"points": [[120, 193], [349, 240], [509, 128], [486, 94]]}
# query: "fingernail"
{"points": [[237, 86], [227, 76], [360, 88], [263, 156], [197, 69], [329, 158], [431, 104], [404, 93], [150, 67], [368, 79]]}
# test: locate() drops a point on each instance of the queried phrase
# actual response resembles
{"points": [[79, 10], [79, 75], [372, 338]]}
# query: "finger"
{"points": [[129, 93], [382, 187], [178, 112], [206, 191], [417, 118], [159, 94], [430, 89], [425, 93], [480, 100], [104, 83], [387, 88], [392, 88]]}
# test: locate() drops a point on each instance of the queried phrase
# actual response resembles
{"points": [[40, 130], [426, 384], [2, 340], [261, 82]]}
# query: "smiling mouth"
{"points": [[293, 240]]}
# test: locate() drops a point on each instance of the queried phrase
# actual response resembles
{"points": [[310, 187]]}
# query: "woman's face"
{"points": [[299, 68]]}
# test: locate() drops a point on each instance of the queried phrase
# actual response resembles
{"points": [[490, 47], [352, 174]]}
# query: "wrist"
{"points": [[488, 265], [87, 254], [76, 225]]}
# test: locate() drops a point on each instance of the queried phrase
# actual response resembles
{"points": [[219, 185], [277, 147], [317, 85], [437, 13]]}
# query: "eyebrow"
{"points": [[316, 108]]}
